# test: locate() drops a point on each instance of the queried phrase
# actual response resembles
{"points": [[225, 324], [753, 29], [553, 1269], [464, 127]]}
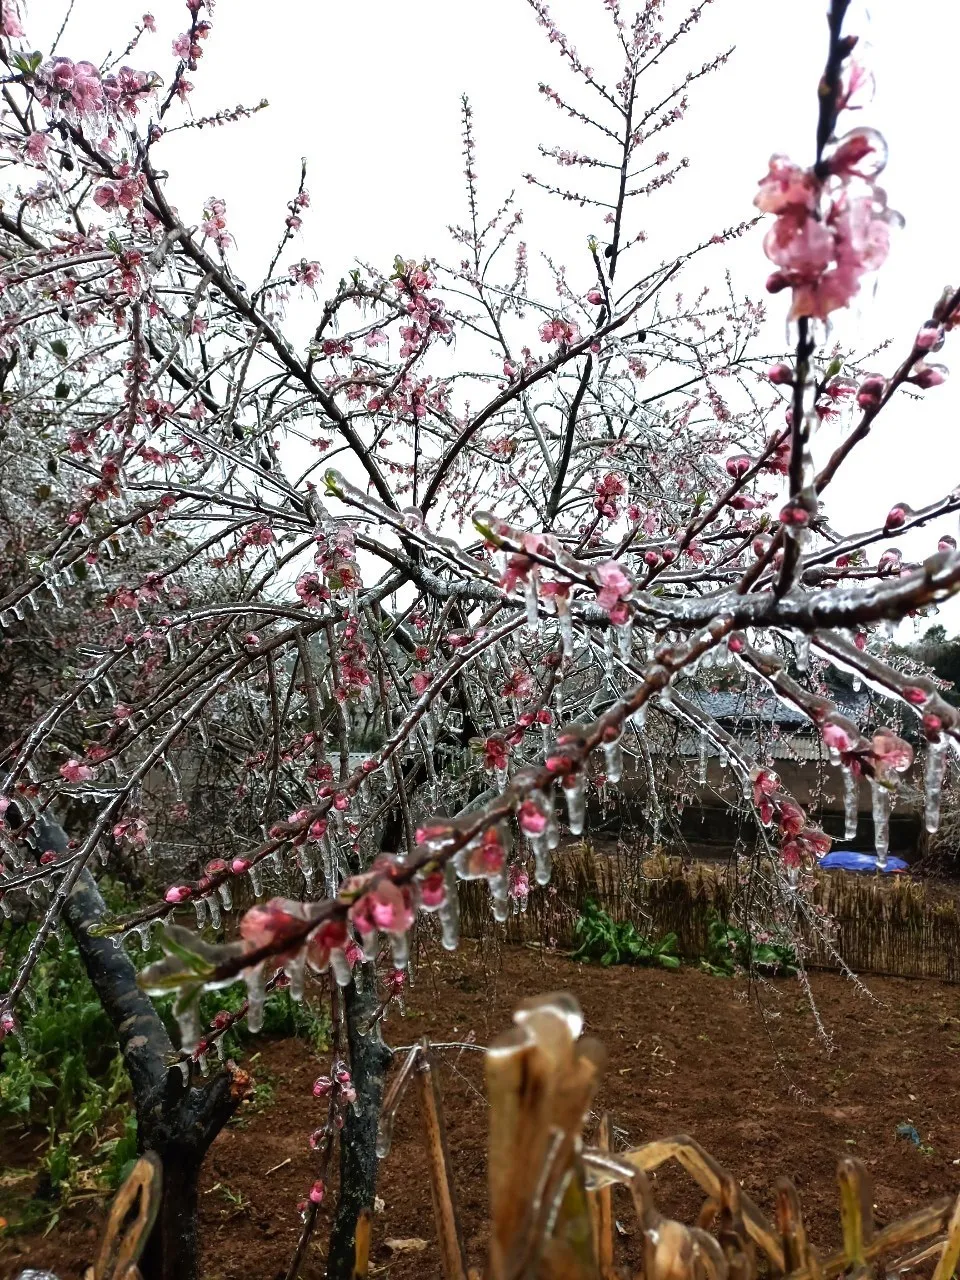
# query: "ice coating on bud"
{"points": [[871, 391], [781, 375], [897, 516], [926, 376], [861, 153]]}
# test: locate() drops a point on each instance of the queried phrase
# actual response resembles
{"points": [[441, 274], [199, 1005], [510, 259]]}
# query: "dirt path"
{"points": [[742, 1069]]}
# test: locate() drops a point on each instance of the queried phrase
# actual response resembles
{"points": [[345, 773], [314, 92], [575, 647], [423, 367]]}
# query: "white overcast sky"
{"points": [[368, 91]]}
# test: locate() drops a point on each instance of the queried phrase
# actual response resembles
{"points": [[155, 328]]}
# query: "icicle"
{"points": [[256, 880], [188, 1020], [566, 632], [226, 895], [933, 771], [575, 794], [341, 969], [543, 864], [220, 1048], [295, 969], [326, 857], [200, 906], [609, 642], [384, 1135], [185, 1070], [613, 759], [499, 896], [639, 717], [275, 861], [143, 932], [400, 946], [213, 906], [530, 596], [857, 684], [625, 639], [803, 654], [449, 911], [702, 758], [881, 821], [851, 804], [256, 994]]}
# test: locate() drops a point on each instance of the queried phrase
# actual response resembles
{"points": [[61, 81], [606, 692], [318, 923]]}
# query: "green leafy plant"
{"points": [[64, 1071], [730, 948], [617, 942]]}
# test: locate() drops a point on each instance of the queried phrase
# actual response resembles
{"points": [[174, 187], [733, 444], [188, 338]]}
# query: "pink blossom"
{"points": [[837, 737], [36, 147], [786, 187], [738, 465], [890, 752], [421, 682], [433, 890], [305, 273], [615, 584], [178, 893], [74, 771], [388, 907], [531, 818], [10, 25], [559, 330], [311, 590], [272, 924]]}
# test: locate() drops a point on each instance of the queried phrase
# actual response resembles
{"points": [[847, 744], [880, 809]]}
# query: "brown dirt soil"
{"points": [[740, 1067]]}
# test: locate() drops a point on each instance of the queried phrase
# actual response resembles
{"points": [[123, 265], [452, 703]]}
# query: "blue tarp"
{"points": [[845, 860]]}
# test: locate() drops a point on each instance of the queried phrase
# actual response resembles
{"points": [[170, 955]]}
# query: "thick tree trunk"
{"points": [[175, 1119], [369, 1060]]}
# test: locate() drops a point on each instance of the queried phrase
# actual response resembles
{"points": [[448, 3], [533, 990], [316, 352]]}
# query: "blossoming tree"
{"points": [[409, 579]]}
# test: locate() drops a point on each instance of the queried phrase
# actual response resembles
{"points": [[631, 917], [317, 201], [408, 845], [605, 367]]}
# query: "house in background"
{"points": [[773, 732]]}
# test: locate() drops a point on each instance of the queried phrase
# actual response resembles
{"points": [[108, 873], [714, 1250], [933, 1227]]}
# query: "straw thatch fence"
{"points": [[891, 925]]}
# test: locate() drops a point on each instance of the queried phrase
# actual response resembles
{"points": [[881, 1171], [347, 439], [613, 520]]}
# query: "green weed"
{"points": [[618, 942]]}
